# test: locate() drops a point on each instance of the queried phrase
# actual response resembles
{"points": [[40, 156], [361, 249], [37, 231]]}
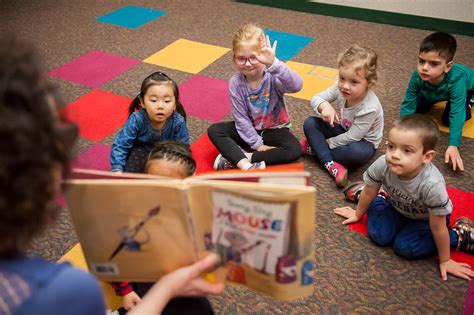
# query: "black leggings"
{"points": [[180, 305], [225, 137]]}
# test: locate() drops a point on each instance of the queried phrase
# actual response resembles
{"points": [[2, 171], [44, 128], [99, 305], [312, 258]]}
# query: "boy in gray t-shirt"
{"points": [[415, 216]]}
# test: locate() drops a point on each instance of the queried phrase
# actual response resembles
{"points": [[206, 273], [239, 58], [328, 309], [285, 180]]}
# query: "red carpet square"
{"points": [[94, 68], [205, 98], [462, 206], [97, 157], [204, 152], [98, 113]]}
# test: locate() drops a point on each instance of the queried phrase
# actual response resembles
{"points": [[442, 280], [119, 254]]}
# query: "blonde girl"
{"points": [[351, 137]]}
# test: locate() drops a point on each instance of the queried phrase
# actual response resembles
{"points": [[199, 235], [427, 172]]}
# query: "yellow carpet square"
{"points": [[315, 78], [187, 56], [436, 113], [76, 258]]}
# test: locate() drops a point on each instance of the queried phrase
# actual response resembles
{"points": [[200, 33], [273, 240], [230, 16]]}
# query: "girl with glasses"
{"points": [[260, 134], [155, 114]]}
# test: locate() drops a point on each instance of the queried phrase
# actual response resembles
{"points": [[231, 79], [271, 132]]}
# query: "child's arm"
{"points": [[457, 117], [446, 264], [322, 107], [367, 196], [409, 102], [123, 143]]}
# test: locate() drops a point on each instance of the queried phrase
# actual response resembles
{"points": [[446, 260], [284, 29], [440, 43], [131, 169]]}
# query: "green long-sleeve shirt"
{"points": [[454, 87]]}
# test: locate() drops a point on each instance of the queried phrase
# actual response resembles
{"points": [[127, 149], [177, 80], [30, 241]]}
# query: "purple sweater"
{"points": [[264, 107]]}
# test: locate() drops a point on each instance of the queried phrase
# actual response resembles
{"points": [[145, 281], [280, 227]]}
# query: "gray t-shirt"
{"points": [[362, 121], [416, 198]]}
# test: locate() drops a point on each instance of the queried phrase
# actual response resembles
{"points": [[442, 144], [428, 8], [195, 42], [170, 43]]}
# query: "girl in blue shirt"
{"points": [[155, 114]]}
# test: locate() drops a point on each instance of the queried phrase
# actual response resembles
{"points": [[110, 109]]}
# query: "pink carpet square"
{"points": [[97, 157], [205, 98], [94, 68], [98, 113]]}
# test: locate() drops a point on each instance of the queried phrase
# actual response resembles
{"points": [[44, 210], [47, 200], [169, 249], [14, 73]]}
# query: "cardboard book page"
{"points": [[263, 232], [133, 230]]}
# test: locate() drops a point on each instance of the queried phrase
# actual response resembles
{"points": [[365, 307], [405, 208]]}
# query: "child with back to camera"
{"points": [[351, 139], [257, 97], [172, 159], [36, 146], [435, 79], [155, 114], [414, 217]]}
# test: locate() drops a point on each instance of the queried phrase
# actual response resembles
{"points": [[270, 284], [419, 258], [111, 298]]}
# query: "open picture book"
{"points": [[135, 227]]}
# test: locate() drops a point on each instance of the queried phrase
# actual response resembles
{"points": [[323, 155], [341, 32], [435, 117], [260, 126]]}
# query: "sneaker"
{"points": [[257, 166], [352, 191], [306, 147], [339, 172], [464, 228], [221, 163]]}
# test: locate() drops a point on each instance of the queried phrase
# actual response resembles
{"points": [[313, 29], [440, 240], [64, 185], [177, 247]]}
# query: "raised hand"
{"points": [[267, 52]]}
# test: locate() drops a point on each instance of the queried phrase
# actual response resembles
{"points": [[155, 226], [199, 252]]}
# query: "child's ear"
{"points": [[428, 156], [449, 65], [141, 102]]}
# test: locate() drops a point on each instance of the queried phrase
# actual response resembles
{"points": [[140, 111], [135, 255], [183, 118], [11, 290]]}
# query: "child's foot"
{"points": [[338, 171], [306, 147], [257, 166], [464, 228], [352, 191], [221, 163]]}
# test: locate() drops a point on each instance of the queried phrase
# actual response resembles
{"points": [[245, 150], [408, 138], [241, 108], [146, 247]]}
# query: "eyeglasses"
{"points": [[241, 60]]}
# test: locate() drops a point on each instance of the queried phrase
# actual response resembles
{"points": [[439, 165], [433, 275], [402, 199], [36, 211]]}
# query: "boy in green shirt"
{"points": [[437, 78]]}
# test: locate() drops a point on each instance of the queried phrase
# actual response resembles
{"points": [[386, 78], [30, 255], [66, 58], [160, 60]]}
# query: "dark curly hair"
{"points": [[34, 144], [173, 151]]}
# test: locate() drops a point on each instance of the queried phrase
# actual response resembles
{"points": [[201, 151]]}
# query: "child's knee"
{"points": [[380, 237], [404, 249], [309, 124]]}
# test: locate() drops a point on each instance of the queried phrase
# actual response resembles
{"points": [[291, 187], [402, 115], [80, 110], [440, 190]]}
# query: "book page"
{"points": [[264, 232], [131, 229]]}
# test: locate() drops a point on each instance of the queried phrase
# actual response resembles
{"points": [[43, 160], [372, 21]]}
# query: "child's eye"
{"points": [[434, 64], [355, 82]]}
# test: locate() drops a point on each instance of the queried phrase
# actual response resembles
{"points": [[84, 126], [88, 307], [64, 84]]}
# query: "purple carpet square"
{"points": [[94, 68], [205, 98], [97, 157]]}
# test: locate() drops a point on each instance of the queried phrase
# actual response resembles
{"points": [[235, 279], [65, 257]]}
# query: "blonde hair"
{"points": [[361, 58], [247, 33]]}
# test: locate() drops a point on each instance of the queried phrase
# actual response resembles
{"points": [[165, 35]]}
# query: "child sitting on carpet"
{"points": [[172, 159], [353, 141], [155, 114], [262, 124], [437, 78], [414, 216]]}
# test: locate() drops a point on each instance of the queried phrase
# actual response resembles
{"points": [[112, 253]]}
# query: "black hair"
{"points": [[442, 43], [157, 78], [34, 145], [173, 151]]}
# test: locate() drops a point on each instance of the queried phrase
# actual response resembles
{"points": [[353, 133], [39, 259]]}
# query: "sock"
{"points": [[246, 166], [248, 155]]}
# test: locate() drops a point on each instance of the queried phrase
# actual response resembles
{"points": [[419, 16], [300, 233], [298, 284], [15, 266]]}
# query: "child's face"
{"points": [[251, 68], [159, 103], [404, 153], [167, 168], [352, 84], [432, 67]]}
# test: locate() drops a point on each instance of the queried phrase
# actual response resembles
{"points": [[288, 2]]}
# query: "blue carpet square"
{"points": [[288, 44], [131, 16]]}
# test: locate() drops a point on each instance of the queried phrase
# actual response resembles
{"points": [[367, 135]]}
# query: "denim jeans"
{"points": [[411, 239], [353, 154]]}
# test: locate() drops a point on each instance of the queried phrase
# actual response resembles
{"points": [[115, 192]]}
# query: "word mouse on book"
{"points": [[138, 228]]}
